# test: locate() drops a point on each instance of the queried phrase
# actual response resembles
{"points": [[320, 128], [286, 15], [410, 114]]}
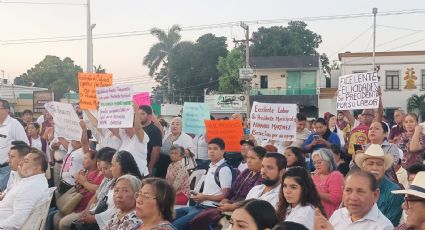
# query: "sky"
{"points": [[123, 56]]}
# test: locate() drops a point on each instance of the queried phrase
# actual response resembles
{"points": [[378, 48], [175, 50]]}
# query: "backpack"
{"points": [[235, 173]]}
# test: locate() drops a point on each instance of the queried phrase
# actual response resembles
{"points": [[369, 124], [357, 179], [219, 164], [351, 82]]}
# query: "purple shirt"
{"points": [[396, 131], [243, 183]]}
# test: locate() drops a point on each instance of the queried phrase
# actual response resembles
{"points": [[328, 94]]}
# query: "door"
{"points": [[293, 83]]}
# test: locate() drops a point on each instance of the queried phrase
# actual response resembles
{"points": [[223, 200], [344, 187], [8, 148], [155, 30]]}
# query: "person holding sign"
{"points": [[135, 141], [322, 138]]}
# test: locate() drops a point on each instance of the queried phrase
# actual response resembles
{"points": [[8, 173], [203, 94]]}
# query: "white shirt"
{"points": [[10, 130], [300, 138], [210, 187], [242, 166], [21, 200], [103, 217], [271, 196], [107, 139], [374, 220], [14, 178], [72, 164], [36, 143], [138, 149], [201, 147], [40, 119], [402, 177], [185, 141], [301, 214]]}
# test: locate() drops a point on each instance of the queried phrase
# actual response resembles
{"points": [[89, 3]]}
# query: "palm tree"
{"points": [[416, 103], [99, 69], [158, 53]]}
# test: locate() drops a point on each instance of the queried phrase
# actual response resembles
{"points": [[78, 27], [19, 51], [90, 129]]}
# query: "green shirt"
{"points": [[388, 203]]}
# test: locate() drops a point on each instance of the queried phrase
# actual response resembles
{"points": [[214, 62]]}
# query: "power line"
{"points": [[352, 41], [208, 26]]}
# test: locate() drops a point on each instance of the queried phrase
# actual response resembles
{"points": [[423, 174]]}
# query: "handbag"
{"points": [[102, 205], [68, 201]]}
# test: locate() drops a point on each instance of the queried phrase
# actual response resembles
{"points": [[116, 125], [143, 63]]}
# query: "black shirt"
{"points": [[155, 137]]}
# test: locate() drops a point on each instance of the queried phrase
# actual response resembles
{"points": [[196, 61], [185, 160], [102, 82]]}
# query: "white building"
{"points": [[402, 74], [19, 96]]}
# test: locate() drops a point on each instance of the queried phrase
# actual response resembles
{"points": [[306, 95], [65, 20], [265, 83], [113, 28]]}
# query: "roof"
{"points": [[285, 62], [390, 53]]}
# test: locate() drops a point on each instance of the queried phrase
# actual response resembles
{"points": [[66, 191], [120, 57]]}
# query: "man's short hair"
{"points": [[146, 108], [40, 159], [279, 158], [27, 111], [21, 148], [414, 169], [301, 117], [373, 182], [218, 141], [5, 104]]}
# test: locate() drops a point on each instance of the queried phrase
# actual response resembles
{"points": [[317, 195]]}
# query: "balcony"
{"points": [[282, 91]]}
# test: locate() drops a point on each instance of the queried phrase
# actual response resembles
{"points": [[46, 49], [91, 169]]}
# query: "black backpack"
{"points": [[235, 173]]}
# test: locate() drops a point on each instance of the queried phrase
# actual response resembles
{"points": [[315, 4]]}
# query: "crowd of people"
{"points": [[341, 172]]}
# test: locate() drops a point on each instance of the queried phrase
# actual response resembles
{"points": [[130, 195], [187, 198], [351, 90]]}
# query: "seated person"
{"points": [[177, 175], [212, 193], [30, 192]]}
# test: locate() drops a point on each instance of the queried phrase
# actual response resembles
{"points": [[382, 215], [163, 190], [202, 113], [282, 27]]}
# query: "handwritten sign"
{"points": [[115, 107], [87, 84], [228, 130], [194, 115], [67, 123], [273, 121], [142, 98], [358, 91]]}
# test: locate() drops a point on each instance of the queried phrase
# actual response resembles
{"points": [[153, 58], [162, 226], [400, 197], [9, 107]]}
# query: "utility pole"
{"points": [[89, 41], [374, 11]]}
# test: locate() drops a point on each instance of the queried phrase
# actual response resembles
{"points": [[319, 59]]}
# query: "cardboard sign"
{"points": [[87, 84], [273, 121], [228, 130], [67, 123], [194, 115], [358, 91], [115, 107], [142, 99]]}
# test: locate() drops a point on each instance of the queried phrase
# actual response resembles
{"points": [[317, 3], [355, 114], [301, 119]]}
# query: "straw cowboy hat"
{"points": [[374, 151], [417, 188]]}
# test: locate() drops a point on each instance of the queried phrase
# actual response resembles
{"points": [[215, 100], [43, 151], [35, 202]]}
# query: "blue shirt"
{"points": [[388, 203], [333, 139]]}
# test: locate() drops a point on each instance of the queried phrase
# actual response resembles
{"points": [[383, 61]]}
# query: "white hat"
{"points": [[374, 151], [417, 188]]}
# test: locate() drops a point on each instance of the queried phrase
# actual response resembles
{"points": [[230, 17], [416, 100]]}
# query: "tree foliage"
{"points": [[228, 67], [53, 73], [416, 104]]}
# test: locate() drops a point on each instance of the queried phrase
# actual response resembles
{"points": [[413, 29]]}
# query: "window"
{"points": [[264, 84], [423, 79], [392, 79]]}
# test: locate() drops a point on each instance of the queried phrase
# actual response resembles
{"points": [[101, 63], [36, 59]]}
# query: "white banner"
{"points": [[358, 91], [67, 123], [115, 106], [273, 121]]}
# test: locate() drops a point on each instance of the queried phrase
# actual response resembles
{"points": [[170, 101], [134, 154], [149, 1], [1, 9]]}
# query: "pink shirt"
{"points": [[332, 184]]}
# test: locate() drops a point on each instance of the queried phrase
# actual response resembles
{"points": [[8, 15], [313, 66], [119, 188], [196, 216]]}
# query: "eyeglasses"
{"points": [[408, 199], [143, 196]]}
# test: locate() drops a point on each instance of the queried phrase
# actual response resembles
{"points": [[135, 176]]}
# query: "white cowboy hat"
{"points": [[417, 188], [374, 151]]}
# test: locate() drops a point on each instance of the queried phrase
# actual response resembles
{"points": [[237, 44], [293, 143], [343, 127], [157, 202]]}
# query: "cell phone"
{"points": [[316, 137], [193, 193], [246, 131], [215, 204]]}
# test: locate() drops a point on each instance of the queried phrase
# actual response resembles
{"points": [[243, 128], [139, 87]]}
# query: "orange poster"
{"points": [[229, 130], [87, 83]]}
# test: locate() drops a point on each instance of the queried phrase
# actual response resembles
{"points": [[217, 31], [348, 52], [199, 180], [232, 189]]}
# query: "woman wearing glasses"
{"points": [[155, 204], [125, 201]]}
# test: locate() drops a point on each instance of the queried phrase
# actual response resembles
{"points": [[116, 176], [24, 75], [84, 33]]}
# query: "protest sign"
{"points": [[358, 91], [40, 98], [87, 84], [273, 121], [194, 115], [115, 107], [142, 98], [67, 123], [228, 130]]}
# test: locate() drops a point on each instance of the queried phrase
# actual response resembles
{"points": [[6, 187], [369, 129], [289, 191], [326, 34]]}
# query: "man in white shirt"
{"points": [[360, 210], [18, 151], [272, 169], [135, 141], [212, 193], [10, 130], [29, 193]]}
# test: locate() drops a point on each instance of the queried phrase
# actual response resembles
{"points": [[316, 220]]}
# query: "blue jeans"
{"points": [[4, 177], [185, 215]]}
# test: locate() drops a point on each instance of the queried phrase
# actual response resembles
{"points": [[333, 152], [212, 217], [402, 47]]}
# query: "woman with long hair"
{"points": [[253, 214], [299, 198], [412, 142], [294, 157]]}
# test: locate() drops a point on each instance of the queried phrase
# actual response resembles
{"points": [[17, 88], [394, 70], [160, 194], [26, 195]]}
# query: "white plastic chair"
{"points": [[37, 219], [197, 175]]}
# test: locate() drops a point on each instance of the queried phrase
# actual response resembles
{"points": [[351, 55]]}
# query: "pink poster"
{"points": [[142, 98]]}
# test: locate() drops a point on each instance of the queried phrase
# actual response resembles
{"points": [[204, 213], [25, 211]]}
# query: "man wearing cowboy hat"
{"points": [[375, 161], [414, 203]]}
